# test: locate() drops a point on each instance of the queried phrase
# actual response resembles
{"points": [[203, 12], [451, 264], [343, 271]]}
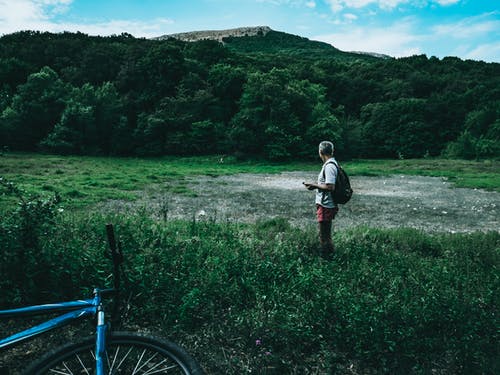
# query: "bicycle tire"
{"points": [[127, 353]]}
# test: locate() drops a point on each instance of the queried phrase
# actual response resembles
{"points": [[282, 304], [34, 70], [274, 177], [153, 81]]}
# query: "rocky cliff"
{"points": [[219, 35]]}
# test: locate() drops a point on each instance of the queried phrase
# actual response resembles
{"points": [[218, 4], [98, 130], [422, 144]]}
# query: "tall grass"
{"points": [[257, 297]]}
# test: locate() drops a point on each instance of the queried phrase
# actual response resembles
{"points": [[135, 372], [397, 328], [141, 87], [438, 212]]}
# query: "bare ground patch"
{"points": [[427, 203]]}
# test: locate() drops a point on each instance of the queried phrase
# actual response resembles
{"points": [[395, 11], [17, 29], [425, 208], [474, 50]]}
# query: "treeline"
{"points": [[273, 96]]}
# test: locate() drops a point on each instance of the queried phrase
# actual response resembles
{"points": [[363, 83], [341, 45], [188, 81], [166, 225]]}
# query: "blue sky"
{"points": [[469, 29]]}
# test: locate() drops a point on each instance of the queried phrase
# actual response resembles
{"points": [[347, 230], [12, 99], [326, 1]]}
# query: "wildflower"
{"points": [[258, 342]]}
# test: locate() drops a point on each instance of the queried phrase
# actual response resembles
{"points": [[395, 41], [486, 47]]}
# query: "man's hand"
{"points": [[309, 186]]}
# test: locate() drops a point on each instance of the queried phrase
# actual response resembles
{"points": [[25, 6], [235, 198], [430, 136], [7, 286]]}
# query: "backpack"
{"points": [[343, 191]]}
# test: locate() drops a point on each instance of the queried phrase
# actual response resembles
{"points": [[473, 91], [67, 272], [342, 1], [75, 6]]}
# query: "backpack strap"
{"points": [[330, 161]]}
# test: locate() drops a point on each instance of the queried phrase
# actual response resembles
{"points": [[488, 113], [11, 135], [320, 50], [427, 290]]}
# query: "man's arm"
{"points": [[320, 187]]}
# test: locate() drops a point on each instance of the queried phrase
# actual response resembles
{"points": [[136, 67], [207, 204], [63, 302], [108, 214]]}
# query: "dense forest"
{"points": [[273, 96]]}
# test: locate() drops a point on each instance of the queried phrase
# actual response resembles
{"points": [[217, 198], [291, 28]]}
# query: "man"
{"points": [[326, 208]]}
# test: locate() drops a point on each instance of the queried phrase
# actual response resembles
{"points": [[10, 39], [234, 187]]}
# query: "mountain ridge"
{"points": [[224, 35], [219, 35]]}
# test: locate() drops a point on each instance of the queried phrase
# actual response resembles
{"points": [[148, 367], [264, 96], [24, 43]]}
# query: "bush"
{"points": [[469, 147], [23, 232]]}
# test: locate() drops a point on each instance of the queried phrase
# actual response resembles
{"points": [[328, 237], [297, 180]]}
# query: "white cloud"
{"points": [[350, 17], [447, 2], [397, 40], [335, 5], [141, 29], [21, 15], [30, 10], [467, 39], [487, 52], [21, 10], [473, 36], [307, 3], [338, 5], [469, 27], [54, 2], [150, 29], [38, 15], [29, 14]]}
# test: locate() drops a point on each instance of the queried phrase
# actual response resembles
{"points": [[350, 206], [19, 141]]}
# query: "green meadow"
{"points": [[84, 180]]}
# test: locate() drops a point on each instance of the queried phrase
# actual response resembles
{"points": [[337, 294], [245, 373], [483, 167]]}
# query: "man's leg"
{"points": [[325, 217], [325, 238]]}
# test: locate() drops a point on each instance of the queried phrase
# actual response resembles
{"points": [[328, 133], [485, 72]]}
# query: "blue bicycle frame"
{"points": [[78, 309]]}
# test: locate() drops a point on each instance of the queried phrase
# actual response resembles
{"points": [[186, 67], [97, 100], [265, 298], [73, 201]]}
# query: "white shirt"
{"points": [[328, 175]]}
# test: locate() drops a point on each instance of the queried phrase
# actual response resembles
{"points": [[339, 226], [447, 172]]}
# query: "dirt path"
{"points": [[427, 203]]}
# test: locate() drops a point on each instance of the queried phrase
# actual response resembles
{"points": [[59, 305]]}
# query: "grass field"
{"points": [[83, 180], [257, 297], [483, 174]]}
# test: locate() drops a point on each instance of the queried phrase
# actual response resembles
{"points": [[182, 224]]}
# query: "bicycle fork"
{"points": [[101, 330], [100, 351]]}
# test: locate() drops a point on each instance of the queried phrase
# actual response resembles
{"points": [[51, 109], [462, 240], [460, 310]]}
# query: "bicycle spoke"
{"points": [[154, 369], [139, 362], [66, 372], [58, 372], [81, 363], [111, 366], [67, 368], [124, 358], [148, 361], [119, 358], [126, 354]]}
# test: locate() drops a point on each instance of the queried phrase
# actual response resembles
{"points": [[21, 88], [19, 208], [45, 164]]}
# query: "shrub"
{"points": [[24, 263], [468, 146]]}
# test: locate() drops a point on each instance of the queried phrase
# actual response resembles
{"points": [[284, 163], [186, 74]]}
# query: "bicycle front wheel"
{"points": [[126, 353]]}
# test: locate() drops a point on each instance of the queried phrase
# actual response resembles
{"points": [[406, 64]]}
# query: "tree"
{"points": [[280, 117], [13, 72], [100, 62], [159, 72], [176, 126], [397, 129], [69, 133], [35, 109], [207, 51], [226, 83], [481, 137], [91, 123]]}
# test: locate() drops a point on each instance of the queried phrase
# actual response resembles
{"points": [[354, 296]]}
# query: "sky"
{"points": [[468, 29]]}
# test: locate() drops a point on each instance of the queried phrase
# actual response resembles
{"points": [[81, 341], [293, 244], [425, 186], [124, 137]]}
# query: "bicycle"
{"points": [[105, 352]]}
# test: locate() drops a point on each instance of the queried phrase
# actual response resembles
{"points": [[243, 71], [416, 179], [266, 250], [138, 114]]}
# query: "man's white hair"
{"points": [[326, 148]]}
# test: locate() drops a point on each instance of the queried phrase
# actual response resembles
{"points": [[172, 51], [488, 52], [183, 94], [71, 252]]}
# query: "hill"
{"points": [[262, 39]]}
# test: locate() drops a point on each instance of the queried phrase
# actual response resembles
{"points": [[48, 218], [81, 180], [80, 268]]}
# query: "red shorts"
{"points": [[325, 214]]}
